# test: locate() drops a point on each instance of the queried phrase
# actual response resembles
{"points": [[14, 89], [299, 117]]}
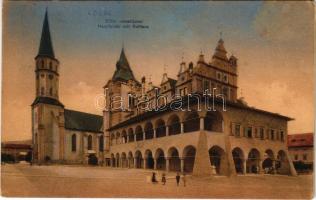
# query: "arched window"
{"points": [[73, 143], [42, 65], [50, 65], [101, 143], [50, 91], [90, 142]]}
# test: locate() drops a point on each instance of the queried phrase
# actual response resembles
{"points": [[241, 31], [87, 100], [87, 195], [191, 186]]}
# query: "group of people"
{"points": [[164, 179]]}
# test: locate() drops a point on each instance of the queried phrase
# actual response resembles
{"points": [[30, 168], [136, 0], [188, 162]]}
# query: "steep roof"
{"points": [[301, 140], [46, 47], [47, 100], [123, 70], [220, 51], [80, 121]]}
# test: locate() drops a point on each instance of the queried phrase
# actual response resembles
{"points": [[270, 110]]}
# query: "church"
{"points": [[236, 140]]}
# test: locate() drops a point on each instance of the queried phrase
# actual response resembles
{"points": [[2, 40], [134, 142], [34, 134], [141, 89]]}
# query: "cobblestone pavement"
{"points": [[22, 180]]}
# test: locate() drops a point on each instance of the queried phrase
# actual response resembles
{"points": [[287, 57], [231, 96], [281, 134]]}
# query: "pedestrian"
{"points": [[153, 178], [184, 179], [163, 179], [178, 179]]}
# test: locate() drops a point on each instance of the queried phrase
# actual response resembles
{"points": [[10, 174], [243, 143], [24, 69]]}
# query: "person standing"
{"points": [[184, 179], [178, 179], [153, 178], [163, 179]]}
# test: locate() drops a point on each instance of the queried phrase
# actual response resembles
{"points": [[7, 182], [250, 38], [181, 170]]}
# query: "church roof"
{"points": [[46, 47], [123, 70], [47, 100], [80, 121]]}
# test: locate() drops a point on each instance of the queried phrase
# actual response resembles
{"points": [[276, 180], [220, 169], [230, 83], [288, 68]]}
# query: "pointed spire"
{"points": [[164, 76], [201, 57], [46, 47], [123, 70]]}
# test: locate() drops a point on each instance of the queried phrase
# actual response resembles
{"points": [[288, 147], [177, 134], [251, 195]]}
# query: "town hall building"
{"points": [[231, 138]]}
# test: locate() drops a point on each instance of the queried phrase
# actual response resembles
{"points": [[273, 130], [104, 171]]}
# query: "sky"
{"points": [[273, 42]]}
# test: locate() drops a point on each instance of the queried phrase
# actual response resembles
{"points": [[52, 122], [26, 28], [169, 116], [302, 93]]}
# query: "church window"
{"points": [[42, 75], [90, 142], [42, 91], [51, 91], [50, 76], [42, 64], [74, 143], [101, 143], [50, 65]]}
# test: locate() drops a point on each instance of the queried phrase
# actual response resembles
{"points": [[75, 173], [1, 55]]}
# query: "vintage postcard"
{"points": [[158, 99]]}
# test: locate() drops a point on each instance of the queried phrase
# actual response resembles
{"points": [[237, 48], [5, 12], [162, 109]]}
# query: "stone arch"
{"points": [[189, 157], [124, 136], [216, 155], [130, 135], [139, 133], [149, 131], [174, 125], [139, 162], [253, 161], [191, 122], [213, 121], [174, 159], [118, 161], [130, 159], [124, 160], [238, 157], [268, 160], [160, 128], [160, 159], [113, 161], [149, 159], [282, 164]]}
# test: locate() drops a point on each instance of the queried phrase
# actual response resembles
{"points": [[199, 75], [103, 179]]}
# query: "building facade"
{"points": [[301, 149], [58, 134], [176, 126], [141, 133]]}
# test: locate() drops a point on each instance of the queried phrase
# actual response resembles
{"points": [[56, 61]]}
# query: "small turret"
{"points": [[220, 51]]}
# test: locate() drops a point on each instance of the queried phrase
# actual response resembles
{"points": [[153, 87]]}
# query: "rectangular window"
{"points": [[206, 85], [249, 132], [282, 136], [261, 133], [304, 156], [296, 157], [219, 76], [225, 78], [185, 92], [237, 130], [272, 135]]}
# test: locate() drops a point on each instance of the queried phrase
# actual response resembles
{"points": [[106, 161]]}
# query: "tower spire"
{"points": [[46, 47]]}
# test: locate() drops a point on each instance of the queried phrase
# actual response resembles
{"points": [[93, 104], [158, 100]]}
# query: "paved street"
{"points": [[23, 180]]}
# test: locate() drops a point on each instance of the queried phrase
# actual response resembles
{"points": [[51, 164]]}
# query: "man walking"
{"points": [[178, 179]]}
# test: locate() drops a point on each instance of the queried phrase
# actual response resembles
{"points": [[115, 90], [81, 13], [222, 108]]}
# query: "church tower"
{"points": [[47, 111]]}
